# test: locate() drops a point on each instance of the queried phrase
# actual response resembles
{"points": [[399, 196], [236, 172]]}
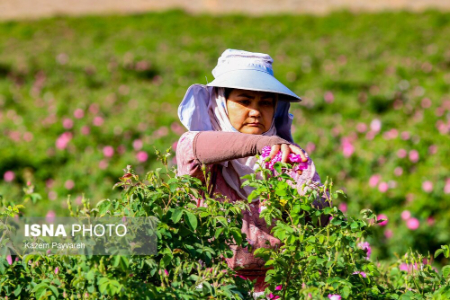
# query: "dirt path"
{"points": [[23, 9]]}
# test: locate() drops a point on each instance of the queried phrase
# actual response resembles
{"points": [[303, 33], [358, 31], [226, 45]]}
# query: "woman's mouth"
{"points": [[256, 124]]}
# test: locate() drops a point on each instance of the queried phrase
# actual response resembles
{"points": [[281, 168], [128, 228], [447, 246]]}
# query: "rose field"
{"points": [[81, 98]]}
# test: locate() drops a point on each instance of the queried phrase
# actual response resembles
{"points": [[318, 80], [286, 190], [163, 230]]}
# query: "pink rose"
{"points": [[412, 223], [374, 179], [383, 187], [78, 113], [406, 215], [388, 233], [108, 151], [360, 273], [382, 216], [366, 247], [50, 217], [343, 207], [142, 156], [9, 176], [414, 156]]}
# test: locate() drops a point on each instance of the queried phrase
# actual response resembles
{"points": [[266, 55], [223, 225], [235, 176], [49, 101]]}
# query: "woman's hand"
{"points": [[287, 149]]}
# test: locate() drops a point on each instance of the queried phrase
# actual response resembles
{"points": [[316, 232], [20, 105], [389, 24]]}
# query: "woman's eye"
{"points": [[244, 102], [266, 103]]}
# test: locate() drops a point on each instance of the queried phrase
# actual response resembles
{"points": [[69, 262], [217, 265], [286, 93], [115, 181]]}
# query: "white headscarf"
{"points": [[234, 169]]}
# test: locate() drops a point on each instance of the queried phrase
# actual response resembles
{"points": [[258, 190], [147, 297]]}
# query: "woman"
{"points": [[229, 121]]}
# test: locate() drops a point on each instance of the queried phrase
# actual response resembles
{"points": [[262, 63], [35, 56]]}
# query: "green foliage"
{"points": [[322, 250], [317, 257], [192, 244]]}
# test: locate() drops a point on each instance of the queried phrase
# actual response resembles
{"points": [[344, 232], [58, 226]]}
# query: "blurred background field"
{"points": [[83, 97]]}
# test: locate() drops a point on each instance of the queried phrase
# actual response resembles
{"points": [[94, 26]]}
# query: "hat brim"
{"points": [[254, 80]]}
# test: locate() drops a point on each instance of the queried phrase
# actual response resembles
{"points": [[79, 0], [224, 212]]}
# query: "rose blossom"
{"points": [[447, 186], [142, 156], [388, 233], [414, 156], [406, 215], [360, 273], [328, 97], [407, 267], [98, 121], [343, 207], [382, 216], [78, 113], [69, 184], [374, 179], [9, 176], [401, 153], [427, 186], [375, 125], [365, 246], [50, 217], [412, 223], [398, 171], [294, 159], [67, 123], [347, 147], [63, 140], [361, 127], [137, 144], [108, 151], [383, 187]]}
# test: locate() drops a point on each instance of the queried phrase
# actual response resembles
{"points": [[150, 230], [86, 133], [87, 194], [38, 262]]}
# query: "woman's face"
{"points": [[251, 112]]}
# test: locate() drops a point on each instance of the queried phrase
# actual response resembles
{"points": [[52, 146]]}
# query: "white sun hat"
{"points": [[252, 71]]}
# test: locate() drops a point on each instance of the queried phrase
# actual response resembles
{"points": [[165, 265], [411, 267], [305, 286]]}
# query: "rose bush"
{"points": [[314, 262]]}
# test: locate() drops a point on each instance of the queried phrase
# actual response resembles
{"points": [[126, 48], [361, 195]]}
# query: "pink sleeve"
{"points": [[187, 163]]}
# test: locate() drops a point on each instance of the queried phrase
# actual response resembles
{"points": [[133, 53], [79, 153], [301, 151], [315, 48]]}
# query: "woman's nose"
{"points": [[254, 112]]}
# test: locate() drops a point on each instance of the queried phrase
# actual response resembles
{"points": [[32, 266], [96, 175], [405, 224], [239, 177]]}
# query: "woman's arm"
{"points": [[213, 147]]}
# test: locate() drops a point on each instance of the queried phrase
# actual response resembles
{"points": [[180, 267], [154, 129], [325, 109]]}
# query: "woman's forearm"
{"points": [[216, 146]]}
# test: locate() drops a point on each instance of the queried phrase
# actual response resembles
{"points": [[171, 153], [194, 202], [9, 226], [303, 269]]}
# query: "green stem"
{"points": [[289, 272]]}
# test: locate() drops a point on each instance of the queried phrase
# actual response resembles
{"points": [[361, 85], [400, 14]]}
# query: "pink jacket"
{"points": [[255, 228]]}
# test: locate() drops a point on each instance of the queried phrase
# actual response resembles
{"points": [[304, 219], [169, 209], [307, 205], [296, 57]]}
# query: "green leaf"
{"points": [[237, 236], [277, 167], [439, 251], [336, 222], [18, 290], [176, 215], [121, 262], [103, 206], [345, 292], [54, 290], [173, 187], [305, 207], [446, 272], [222, 220], [269, 263], [218, 232], [446, 251], [191, 220], [109, 287]]}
